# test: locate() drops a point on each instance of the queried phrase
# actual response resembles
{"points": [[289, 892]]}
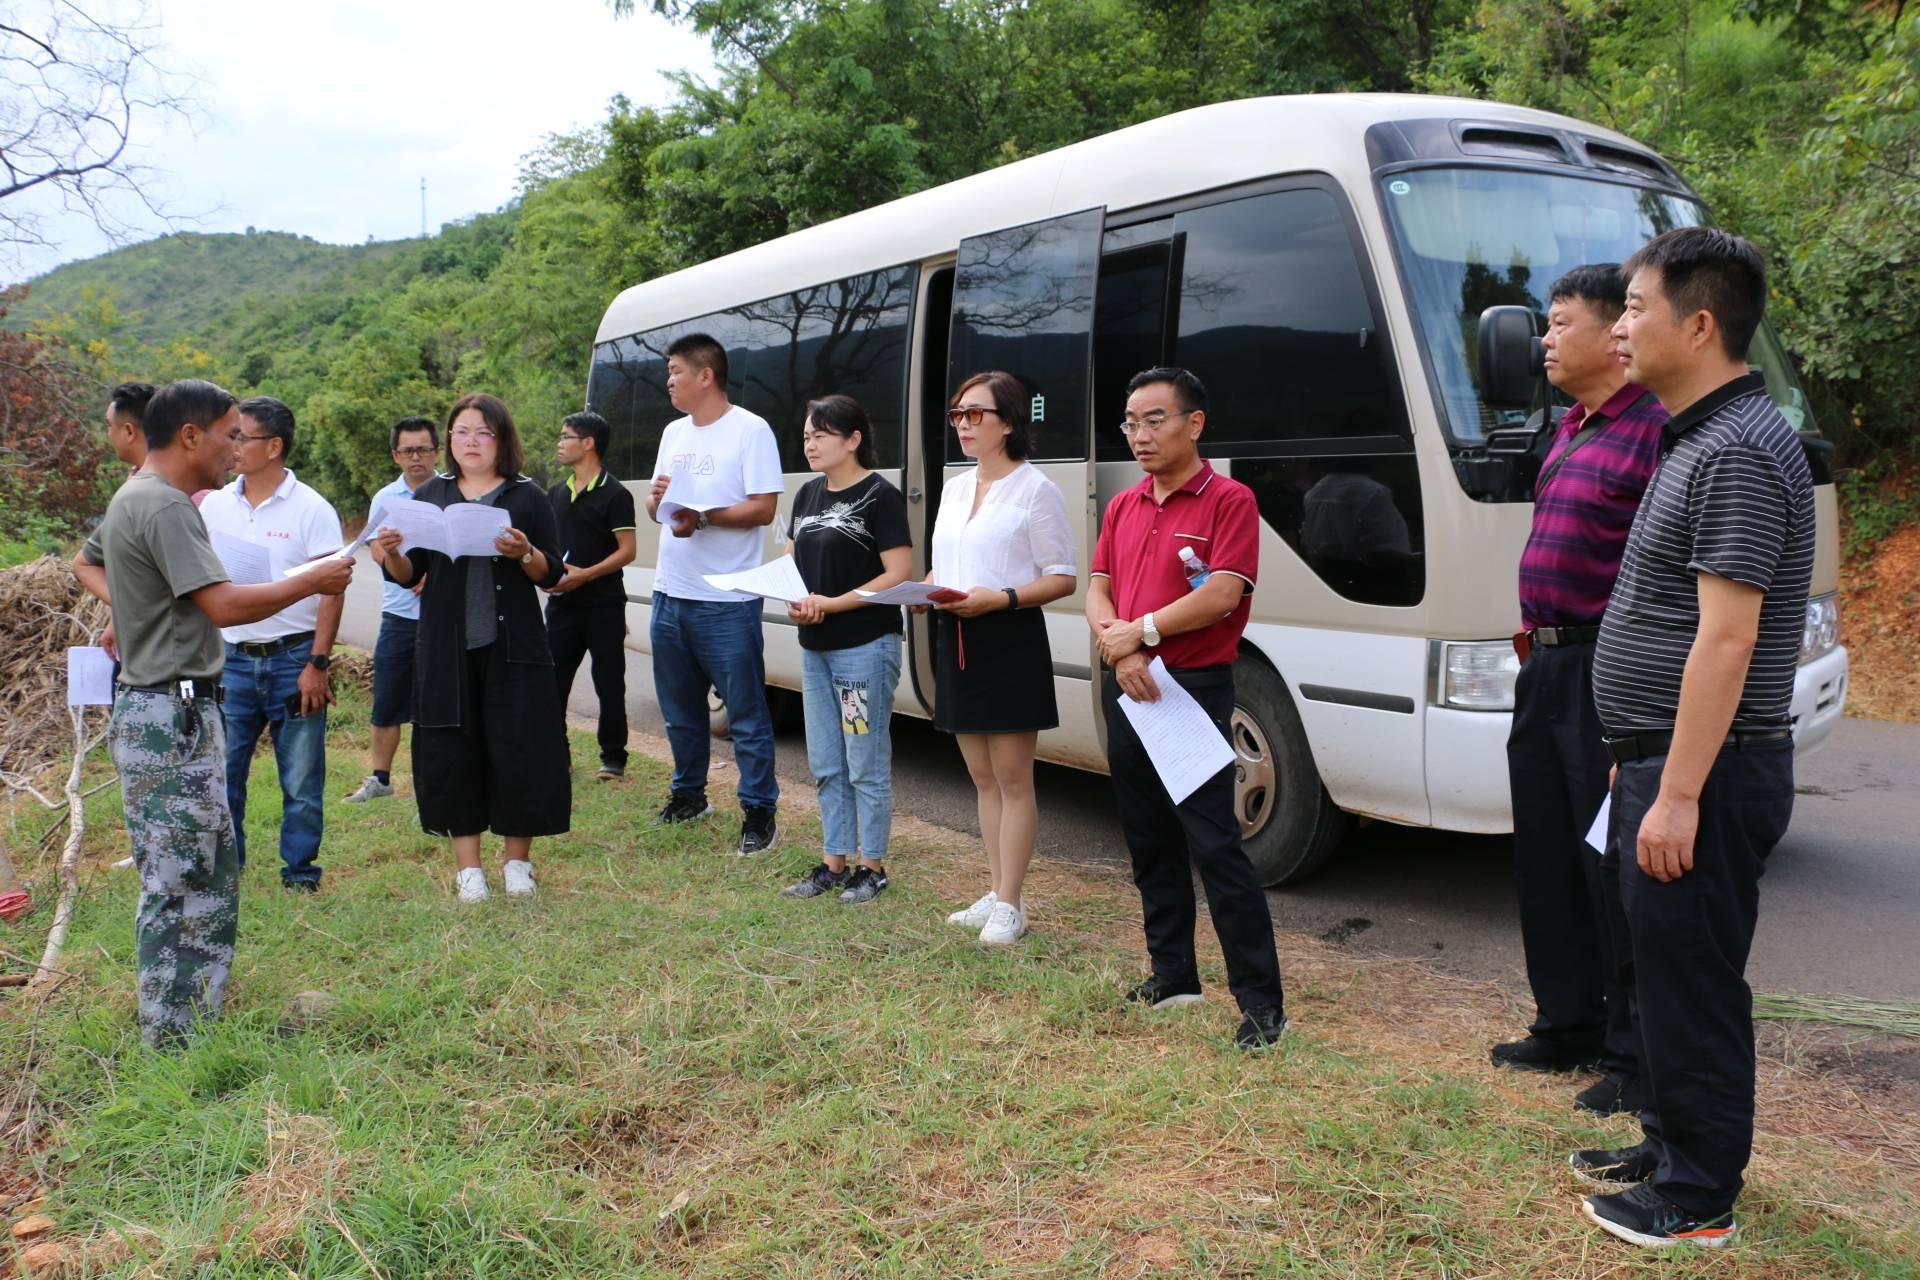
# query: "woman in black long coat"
{"points": [[489, 734]]}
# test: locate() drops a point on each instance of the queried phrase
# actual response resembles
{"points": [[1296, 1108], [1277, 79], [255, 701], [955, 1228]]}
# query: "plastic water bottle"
{"points": [[1196, 568]]}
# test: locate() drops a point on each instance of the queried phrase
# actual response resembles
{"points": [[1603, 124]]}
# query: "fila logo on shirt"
{"points": [[693, 464]]}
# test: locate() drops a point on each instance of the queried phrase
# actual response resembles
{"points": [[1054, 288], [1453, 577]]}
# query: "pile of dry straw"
{"points": [[42, 612]]}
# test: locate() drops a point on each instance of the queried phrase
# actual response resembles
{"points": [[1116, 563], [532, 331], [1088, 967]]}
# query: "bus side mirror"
{"points": [[1511, 360]]}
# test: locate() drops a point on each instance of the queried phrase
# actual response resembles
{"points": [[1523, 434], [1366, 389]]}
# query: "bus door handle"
{"points": [[914, 494]]}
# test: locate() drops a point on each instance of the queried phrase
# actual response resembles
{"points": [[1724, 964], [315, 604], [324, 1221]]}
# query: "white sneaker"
{"points": [[975, 916], [1005, 926], [371, 789], [473, 884], [519, 878]]}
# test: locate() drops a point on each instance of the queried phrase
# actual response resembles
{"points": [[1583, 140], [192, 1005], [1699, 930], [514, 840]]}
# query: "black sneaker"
{"points": [[610, 773], [866, 885], [1640, 1215], [300, 886], [1535, 1054], [1598, 1167], [684, 806], [758, 833], [819, 880], [1260, 1028], [1614, 1094], [1158, 993]]}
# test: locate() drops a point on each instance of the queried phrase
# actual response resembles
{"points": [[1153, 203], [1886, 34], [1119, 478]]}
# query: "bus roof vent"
{"points": [[1621, 160], [1515, 144]]}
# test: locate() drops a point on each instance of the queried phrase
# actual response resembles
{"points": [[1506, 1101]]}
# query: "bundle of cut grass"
{"points": [[42, 611]]}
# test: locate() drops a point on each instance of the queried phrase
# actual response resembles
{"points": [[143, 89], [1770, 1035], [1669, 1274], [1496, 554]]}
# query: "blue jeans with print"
{"points": [[699, 644], [849, 705], [257, 692]]}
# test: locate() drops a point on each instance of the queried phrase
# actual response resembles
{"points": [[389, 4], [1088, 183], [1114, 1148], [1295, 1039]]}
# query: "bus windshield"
{"points": [[1473, 238]]}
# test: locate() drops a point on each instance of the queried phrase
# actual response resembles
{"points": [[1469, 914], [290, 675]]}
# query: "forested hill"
{"points": [[192, 284]]}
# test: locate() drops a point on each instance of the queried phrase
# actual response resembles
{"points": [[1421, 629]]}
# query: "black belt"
{"points": [[1645, 746], [1554, 637], [210, 690], [267, 648]]}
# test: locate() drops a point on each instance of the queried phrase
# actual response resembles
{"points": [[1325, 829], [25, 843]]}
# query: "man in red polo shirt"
{"points": [[1141, 605]]}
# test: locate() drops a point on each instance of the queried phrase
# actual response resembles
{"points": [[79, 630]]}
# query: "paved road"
{"points": [[1840, 902]]}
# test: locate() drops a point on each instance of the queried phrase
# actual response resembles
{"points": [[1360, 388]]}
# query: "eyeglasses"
{"points": [[241, 435], [416, 451], [482, 434], [1151, 421], [969, 414], [576, 439]]}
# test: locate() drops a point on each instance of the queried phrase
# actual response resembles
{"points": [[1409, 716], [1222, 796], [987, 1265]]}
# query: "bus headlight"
{"points": [[1822, 630], [1475, 675]]}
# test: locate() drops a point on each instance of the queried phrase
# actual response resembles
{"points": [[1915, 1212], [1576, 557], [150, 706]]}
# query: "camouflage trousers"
{"points": [[173, 779]]}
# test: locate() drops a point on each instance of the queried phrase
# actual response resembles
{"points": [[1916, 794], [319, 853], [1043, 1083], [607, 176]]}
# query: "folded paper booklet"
{"points": [[775, 580], [463, 529], [912, 593]]}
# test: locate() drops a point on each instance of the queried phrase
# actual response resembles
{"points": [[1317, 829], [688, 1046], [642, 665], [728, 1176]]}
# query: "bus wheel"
{"points": [[1288, 823], [784, 706]]}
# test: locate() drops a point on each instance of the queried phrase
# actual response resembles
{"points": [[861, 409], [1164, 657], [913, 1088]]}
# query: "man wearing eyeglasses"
{"points": [[587, 614], [415, 443], [276, 669], [1146, 602]]}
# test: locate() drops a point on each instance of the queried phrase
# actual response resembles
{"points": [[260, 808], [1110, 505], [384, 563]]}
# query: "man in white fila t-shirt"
{"points": [[716, 484]]}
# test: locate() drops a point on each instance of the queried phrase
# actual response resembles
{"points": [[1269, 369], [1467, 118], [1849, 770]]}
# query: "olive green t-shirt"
{"points": [[156, 551]]}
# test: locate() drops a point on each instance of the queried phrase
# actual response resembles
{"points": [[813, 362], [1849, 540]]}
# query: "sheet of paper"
{"points": [[472, 527], [89, 677], [1186, 747], [247, 565], [776, 580], [912, 593], [1597, 833], [367, 534], [420, 524], [668, 506]]}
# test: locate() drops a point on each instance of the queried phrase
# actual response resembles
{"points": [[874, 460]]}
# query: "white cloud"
{"points": [[321, 118]]}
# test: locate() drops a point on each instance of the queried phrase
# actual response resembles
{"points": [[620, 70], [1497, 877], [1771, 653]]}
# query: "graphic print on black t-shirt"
{"points": [[837, 539]]}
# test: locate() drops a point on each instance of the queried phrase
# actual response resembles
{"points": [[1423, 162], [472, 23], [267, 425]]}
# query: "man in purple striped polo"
{"points": [[1603, 456]]}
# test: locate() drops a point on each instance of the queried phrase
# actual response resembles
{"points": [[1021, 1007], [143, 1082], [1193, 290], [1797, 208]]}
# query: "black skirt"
{"points": [[993, 673], [504, 768]]}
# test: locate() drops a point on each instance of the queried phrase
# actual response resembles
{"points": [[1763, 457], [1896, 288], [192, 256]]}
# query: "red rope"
{"points": [[16, 904]]}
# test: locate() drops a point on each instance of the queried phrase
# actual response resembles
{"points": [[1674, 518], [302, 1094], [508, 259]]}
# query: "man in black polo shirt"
{"points": [[1692, 679], [588, 612]]}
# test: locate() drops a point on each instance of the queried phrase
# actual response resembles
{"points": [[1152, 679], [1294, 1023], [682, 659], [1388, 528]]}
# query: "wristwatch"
{"points": [[702, 522], [320, 661], [1149, 634], [527, 558]]}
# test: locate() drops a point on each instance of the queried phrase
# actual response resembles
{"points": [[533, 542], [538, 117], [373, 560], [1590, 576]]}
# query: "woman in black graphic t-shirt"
{"points": [[850, 534]]}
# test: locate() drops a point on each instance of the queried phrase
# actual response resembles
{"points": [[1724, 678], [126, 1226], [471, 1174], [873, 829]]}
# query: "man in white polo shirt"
{"points": [[276, 673]]}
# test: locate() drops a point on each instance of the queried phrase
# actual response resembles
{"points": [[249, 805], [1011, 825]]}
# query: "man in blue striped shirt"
{"points": [[1692, 679]]}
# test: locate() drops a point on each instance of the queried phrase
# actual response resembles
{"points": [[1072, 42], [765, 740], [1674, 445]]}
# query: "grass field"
{"points": [[660, 1068]]}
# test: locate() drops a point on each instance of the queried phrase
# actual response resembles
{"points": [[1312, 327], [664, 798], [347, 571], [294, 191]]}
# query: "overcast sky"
{"points": [[322, 117]]}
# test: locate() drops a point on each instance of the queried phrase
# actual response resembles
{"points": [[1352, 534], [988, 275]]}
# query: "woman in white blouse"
{"points": [[1002, 536]]}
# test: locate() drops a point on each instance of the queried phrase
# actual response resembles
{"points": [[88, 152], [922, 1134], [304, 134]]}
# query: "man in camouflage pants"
{"points": [[152, 561]]}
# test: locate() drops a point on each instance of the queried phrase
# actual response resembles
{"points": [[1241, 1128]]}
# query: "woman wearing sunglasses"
{"points": [[1001, 536], [489, 735]]}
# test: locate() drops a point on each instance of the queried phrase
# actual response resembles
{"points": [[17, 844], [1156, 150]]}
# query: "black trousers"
{"points": [[1689, 940], [598, 631], [1557, 765], [1169, 842]]}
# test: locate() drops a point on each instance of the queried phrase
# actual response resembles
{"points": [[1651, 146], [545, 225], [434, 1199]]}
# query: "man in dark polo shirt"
{"points": [[587, 615], [1692, 679], [1603, 454], [1141, 605]]}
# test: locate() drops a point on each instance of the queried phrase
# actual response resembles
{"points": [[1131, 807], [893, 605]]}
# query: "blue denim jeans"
{"points": [[849, 702], [702, 643], [257, 690]]}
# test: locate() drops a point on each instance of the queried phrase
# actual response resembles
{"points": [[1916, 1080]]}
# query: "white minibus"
{"points": [[1323, 264]]}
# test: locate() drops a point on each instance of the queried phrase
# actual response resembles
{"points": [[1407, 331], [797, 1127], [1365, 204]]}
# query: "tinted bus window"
{"points": [[1129, 326], [1274, 316], [848, 337], [1023, 302]]}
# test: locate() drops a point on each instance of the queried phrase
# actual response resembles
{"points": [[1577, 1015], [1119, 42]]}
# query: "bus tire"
{"points": [[1288, 823], [784, 707]]}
